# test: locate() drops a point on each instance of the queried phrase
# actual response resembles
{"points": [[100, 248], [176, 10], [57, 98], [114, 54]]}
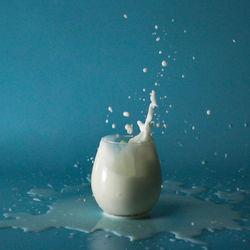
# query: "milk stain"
{"points": [[177, 212]]}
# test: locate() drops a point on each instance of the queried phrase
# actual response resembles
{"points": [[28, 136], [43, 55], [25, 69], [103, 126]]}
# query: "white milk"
{"points": [[126, 176], [129, 128], [177, 213]]}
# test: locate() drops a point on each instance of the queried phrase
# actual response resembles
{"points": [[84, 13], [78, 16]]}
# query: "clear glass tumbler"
{"points": [[126, 176]]}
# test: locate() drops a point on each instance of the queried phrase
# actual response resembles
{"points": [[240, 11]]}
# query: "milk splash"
{"points": [[145, 128], [126, 176], [178, 211]]}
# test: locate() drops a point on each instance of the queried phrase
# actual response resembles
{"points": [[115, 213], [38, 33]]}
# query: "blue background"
{"points": [[62, 63]]}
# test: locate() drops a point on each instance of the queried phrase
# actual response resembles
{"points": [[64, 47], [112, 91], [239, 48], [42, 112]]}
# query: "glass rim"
{"points": [[110, 139]]}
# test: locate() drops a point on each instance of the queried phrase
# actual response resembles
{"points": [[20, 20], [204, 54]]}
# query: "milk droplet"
{"points": [[145, 70], [156, 27], [245, 124], [126, 114], [129, 97], [208, 112], [230, 125], [203, 162], [172, 20], [193, 127], [182, 76], [225, 155], [158, 125], [113, 125], [157, 39], [36, 199], [106, 121], [143, 89], [234, 41], [110, 109], [129, 128], [156, 83], [164, 63], [125, 16], [160, 52], [164, 125]]}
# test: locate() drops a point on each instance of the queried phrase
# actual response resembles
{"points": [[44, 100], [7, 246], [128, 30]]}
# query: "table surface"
{"points": [[15, 198]]}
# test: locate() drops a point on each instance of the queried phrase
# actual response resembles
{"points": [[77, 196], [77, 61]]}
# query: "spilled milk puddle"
{"points": [[177, 212]]}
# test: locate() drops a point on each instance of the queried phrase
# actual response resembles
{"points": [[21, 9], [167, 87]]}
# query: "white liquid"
{"points": [[110, 109], [145, 128], [126, 176], [129, 128], [164, 63], [126, 114], [182, 215]]}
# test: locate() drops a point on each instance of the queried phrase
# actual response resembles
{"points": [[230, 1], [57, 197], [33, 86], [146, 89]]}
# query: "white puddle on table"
{"points": [[182, 215]]}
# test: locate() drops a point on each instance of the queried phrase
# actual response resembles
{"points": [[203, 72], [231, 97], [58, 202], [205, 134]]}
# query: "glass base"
{"points": [[137, 216]]}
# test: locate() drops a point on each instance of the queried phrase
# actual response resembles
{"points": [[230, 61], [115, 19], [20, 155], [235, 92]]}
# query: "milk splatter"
{"points": [[126, 114], [180, 214], [129, 128], [164, 63], [145, 128]]}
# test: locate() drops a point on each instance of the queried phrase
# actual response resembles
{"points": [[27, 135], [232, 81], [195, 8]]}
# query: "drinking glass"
{"points": [[126, 176]]}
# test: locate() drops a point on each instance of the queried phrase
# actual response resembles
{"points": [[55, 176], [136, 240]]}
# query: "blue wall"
{"points": [[62, 63]]}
